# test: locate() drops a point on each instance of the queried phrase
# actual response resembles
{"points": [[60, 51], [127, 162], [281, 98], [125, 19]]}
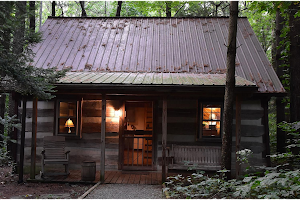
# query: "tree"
{"points": [[16, 41], [118, 13], [229, 88], [83, 13]]}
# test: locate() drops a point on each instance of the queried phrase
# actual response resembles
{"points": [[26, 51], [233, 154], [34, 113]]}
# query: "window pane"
{"points": [[67, 109], [211, 124]]}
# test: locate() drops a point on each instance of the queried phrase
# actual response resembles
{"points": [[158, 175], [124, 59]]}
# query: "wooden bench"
{"points": [[207, 158], [54, 153]]}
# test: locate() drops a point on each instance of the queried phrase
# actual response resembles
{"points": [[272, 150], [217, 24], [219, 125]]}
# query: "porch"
{"points": [[111, 177]]}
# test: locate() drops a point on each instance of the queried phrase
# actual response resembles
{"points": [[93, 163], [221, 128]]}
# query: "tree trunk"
{"points": [[118, 14], [53, 8], [83, 13], [18, 40], [280, 106], [294, 59], [168, 8], [229, 88], [40, 15], [32, 15]]}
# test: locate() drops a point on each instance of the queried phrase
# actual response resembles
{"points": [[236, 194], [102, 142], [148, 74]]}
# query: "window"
{"points": [[67, 119], [211, 121]]}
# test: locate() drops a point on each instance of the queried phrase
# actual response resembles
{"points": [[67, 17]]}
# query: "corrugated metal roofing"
{"points": [[150, 79], [181, 45]]}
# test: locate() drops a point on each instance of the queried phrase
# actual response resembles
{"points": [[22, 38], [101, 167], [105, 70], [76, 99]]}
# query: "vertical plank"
{"points": [[102, 162], [22, 141], [33, 138], [164, 138], [237, 133], [121, 138], [266, 139]]}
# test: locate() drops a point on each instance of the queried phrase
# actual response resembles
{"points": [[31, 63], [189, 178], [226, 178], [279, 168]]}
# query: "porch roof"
{"points": [[151, 79]]}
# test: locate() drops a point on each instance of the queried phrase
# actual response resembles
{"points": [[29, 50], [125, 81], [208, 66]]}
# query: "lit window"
{"points": [[67, 117], [211, 120]]}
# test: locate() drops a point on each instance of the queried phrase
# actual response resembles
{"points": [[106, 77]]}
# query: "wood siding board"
{"points": [[61, 45], [40, 113], [109, 43], [116, 46], [119, 66], [149, 47], [140, 65], [50, 29], [42, 126]]}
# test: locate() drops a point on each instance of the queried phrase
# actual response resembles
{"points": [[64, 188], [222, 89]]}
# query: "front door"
{"points": [[137, 136]]}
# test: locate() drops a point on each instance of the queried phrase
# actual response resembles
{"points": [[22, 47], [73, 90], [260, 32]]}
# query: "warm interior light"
{"points": [[213, 116], [69, 124], [117, 113]]}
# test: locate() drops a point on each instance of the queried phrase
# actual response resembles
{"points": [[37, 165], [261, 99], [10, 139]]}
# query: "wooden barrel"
{"points": [[88, 171]]}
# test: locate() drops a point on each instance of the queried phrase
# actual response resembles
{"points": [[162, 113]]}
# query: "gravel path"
{"points": [[126, 191]]}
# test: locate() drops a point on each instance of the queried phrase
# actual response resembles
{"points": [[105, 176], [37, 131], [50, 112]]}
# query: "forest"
{"points": [[277, 27]]}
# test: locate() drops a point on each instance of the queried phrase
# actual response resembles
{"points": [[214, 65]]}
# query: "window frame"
{"points": [[78, 108], [200, 120]]}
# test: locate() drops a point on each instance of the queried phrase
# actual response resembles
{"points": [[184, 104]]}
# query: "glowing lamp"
{"points": [[69, 124], [117, 113]]}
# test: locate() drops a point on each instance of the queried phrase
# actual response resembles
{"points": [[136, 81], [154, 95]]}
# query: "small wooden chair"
{"points": [[54, 153]]}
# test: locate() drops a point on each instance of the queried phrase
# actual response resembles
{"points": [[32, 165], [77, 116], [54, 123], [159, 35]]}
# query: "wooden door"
{"points": [[137, 136]]}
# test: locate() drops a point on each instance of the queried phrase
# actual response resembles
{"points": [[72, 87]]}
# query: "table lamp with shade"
{"points": [[69, 123]]}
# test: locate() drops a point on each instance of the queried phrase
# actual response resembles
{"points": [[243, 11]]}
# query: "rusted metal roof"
{"points": [[150, 79], [132, 45]]}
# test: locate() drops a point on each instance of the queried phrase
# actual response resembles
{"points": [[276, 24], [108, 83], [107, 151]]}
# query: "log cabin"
{"points": [[136, 87]]}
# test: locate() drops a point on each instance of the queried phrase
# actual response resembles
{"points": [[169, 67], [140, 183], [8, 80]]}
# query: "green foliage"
{"points": [[9, 123], [16, 56]]}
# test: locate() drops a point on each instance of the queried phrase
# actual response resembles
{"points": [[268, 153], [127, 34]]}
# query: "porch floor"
{"points": [[114, 177]]}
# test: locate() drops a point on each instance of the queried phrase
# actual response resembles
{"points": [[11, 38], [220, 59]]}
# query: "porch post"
{"points": [[237, 133], [33, 138], [164, 138], [102, 161], [21, 165]]}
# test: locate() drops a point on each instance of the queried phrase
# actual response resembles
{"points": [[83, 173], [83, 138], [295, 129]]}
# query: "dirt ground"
{"points": [[9, 188]]}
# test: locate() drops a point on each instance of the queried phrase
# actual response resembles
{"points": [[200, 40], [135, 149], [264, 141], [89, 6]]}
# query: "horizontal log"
{"points": [[251, 130], [179, 128], [250, 114], [40, 113], [41, 126]]}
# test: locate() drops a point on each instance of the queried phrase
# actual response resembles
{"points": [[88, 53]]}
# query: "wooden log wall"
{"points": [[182, 128], [86, 148], [252, 133]]}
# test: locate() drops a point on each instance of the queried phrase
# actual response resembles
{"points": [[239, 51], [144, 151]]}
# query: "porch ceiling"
{"points": [[151, 79]]}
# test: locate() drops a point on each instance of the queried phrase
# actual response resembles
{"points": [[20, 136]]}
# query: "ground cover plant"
{"points": [[281, 181]]}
